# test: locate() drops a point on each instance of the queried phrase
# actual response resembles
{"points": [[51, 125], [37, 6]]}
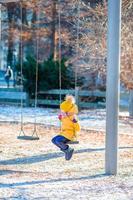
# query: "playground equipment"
{"points": [[22, 135], [35, 136], [113, 84], [112, 99]]}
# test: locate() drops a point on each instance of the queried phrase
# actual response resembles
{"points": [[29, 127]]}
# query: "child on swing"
{"points": [[69, 126]]}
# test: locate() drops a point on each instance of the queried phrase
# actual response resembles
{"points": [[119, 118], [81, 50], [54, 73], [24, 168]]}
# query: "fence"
{"points": [[13, 96], [51, 98], [84, 98]]}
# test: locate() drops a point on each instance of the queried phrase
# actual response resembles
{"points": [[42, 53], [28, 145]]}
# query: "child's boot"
{"points": [[68, 153]]}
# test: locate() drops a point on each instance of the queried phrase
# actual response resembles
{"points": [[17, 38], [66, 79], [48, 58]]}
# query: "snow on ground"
{"points": [[94, 119], [37, 170]]}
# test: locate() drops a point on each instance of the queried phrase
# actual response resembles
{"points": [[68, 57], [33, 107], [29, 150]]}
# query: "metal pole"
{"points": [[113, 82]]}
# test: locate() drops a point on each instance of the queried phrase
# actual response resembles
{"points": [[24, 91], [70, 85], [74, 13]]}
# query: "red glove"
{"points": [[60, 117]]}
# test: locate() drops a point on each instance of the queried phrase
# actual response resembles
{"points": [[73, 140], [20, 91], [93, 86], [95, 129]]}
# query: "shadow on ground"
{"points": [[48, 156], [26, 183], [43, 157]]}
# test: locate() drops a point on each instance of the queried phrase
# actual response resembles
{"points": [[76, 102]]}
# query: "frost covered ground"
{"points": [[37, 170], [89, 119]]}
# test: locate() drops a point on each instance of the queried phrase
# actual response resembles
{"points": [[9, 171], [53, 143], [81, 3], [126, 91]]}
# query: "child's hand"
{"points": [[74, 120], [60, 117]]}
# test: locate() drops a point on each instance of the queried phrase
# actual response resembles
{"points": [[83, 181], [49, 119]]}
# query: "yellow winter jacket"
{"points": [[69, 128]]}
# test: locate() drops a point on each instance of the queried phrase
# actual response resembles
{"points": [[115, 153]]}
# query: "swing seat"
{"points": [[26, 137], [73, 142]]}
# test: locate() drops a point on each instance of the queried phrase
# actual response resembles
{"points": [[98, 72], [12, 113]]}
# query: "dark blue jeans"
{"points": [[7, 78], [61, 142]]}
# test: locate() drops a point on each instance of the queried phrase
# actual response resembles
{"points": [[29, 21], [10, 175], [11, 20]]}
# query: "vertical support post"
{"points": [[113, 86]]}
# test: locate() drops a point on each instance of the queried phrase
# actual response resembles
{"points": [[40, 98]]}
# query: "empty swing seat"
{"points": [[26, 137]]}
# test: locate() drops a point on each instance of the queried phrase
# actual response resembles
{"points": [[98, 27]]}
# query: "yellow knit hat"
{"points": [[69, 104]]}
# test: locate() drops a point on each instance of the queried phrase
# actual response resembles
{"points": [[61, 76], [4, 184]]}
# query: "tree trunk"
{"points": [[31, 44], [131, 103], [10, 12], [54, 34], [24, 14]]}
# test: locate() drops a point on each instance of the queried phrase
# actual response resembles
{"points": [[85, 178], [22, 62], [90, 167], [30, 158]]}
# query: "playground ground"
{"points": [[36, 170]]}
